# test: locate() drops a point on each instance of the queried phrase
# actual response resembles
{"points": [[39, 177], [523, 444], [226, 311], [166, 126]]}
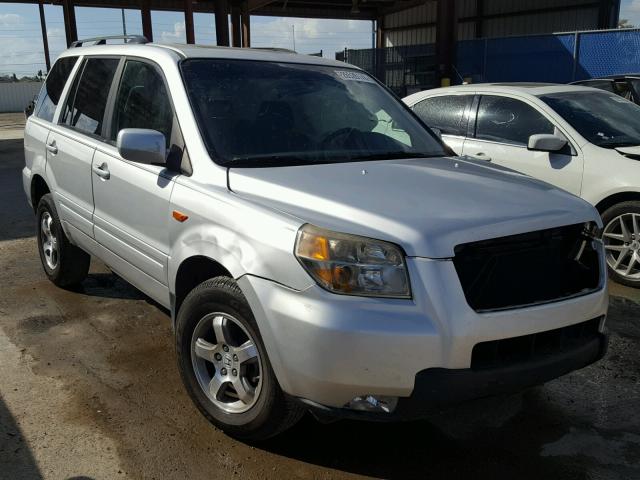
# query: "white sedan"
{"points": [[583, 140]]}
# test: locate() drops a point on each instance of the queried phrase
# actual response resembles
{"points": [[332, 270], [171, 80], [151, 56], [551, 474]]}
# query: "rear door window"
{"points": [[447, 113], [52, 88], [87, 101], [508, 120]]}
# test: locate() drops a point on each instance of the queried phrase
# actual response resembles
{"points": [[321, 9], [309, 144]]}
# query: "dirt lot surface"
{"points": [[89, 389]]}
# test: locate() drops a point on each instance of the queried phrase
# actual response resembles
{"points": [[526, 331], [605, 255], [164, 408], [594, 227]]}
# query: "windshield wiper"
{"points": [[394, 156], [267, 161], [614, 144]]}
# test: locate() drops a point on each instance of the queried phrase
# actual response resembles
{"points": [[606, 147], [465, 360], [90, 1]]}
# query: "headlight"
{"points": [[352, 265]]}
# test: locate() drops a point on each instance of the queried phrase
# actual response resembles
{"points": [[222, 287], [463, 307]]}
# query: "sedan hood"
{"points": [[428, 206]]}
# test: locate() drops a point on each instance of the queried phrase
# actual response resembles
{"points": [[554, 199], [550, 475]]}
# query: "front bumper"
{"points": [[440, 387], [328, 348]]}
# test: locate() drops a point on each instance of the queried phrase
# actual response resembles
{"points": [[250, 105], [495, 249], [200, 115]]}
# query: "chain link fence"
{"points": [[554, 58]]}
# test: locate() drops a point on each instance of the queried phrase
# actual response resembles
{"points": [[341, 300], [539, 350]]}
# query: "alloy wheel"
{"points": [[621, 238], [226, 362], [49, 241]]}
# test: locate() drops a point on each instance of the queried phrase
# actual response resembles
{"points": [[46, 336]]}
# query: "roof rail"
{"points": [[103, 40], [275, 49]]}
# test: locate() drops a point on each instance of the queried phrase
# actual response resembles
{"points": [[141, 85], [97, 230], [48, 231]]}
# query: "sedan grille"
{"points": [[528, 269]]}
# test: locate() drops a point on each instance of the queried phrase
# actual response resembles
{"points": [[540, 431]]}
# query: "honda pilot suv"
{"points": [[319, 248]]}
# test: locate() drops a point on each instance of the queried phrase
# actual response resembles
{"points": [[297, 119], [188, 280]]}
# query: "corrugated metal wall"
{"points": [[416, 25], [15, 96]]}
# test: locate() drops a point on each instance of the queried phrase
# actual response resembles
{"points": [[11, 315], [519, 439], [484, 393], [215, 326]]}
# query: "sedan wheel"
{"points": [[621, 238]]}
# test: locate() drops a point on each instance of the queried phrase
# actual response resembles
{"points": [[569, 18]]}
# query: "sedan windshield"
{"points": [[254, 114], [604, 119]]}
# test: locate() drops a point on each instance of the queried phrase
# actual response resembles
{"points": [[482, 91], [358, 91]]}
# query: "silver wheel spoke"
{"points": [[241, 390], [246, 351], [220, 329], [615, 236], [616, 248], [215, 385], [631, 263], [636, 230], [205, 350], [45, 226], [625, 233], [623, 254]]}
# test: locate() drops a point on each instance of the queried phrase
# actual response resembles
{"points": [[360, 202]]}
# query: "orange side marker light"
{"points": [[179, 216]]}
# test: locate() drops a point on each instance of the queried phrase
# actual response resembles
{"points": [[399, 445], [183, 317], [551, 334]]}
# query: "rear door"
{"points": [[502, 129], [72, 142], [39, 124], [449, 114], [132, 199]]}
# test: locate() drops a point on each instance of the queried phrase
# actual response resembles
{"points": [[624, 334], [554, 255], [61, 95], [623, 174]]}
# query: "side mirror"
{"points": [[142, 145], [546, 142]]}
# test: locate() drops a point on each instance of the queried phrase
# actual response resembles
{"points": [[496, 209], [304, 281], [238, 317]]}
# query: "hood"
{"points": [[428, 206]]}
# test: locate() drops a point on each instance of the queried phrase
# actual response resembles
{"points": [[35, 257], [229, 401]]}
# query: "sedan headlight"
{"points": [[352, 265]]}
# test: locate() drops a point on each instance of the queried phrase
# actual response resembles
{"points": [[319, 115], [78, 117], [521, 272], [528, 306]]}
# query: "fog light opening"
{"points": [[371, 403]]}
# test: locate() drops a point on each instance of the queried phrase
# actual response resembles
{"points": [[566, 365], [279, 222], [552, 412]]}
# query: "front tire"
{"points": [[224, 364], [621, 237], [64, 264]]}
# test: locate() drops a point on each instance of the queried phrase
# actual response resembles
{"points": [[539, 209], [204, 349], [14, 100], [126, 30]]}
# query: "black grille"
{"points": [[527, 269], [511, 351]]}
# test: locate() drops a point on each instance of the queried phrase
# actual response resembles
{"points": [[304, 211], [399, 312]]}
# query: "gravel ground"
{"points": [[89, 389]]}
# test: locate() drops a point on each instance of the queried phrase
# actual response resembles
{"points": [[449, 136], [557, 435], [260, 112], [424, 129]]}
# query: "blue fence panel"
{"points": [[543, 58], [535, 58], [608, 53]]}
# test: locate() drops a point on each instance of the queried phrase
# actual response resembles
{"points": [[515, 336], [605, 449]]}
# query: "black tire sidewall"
{"points": [[204, 300], [607, 216]]}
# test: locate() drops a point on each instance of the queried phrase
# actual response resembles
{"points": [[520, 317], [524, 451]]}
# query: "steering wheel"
{"points": [[343, 132]]}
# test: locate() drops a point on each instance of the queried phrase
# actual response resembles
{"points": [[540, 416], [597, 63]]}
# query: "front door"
{"points": [[132, 200], [502, 132]]}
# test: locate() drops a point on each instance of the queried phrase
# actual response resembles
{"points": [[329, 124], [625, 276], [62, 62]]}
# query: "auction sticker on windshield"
{"points": [[357, 76]]}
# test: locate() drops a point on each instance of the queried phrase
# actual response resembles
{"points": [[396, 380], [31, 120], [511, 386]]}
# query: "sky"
{"points": [[21, 39], [22, 51]]}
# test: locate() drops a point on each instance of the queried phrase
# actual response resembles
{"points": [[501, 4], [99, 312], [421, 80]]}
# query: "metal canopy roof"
{"points": [[347, 9]]}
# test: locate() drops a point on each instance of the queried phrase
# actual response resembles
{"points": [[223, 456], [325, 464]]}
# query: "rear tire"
{"points": [[64, 264], [621, 237], [242, 399]]}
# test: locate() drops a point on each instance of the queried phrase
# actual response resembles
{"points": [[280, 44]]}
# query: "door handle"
{"points": [[52, 147], [481, 156], [102, 171]]}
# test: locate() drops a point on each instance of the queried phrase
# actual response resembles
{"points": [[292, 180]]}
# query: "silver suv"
{"points": [[319, 248]]}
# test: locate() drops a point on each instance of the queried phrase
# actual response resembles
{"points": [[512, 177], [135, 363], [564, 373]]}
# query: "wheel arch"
{"points": [[616, 198], [39, 188], [191, 272]]}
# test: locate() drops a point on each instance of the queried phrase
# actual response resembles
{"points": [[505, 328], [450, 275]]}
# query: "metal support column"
{"points": [[445, 39], [45, 40], [145, 11], [69, 14], [222, 23], [245, 18], [188, 21], [479, 18], [380, 32], [236, 28]]}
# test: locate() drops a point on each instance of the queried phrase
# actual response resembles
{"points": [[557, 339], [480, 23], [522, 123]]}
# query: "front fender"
{"points": [[242, 236]]}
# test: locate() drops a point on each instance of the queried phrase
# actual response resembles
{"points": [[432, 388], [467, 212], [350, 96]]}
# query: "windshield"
{"points": [[254, 113], [604, 119]]}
